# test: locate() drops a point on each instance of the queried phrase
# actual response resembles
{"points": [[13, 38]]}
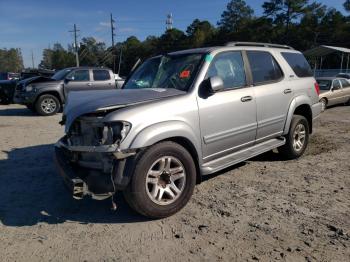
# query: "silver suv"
{"points": [[184, 115]]}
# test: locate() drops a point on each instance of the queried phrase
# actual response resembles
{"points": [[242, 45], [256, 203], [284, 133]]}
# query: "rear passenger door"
{"points": [[102, 79], [272, 92], [228, 117]]}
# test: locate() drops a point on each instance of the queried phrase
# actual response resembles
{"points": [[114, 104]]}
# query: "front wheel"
{"points": [[297, 138], [163, 181], [47, 105]]}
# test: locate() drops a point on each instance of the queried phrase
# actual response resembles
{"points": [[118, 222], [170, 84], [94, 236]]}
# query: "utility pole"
{"points": [[76, 44], [169, 21], [112, 29], [113, 35], [120, 59], [32, 60]]}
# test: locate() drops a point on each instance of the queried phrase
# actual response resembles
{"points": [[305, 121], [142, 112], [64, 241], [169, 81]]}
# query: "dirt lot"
{"points": [[264, 209]]}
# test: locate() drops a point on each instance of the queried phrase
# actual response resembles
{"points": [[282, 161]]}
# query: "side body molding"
{"points": [[297, 101]]}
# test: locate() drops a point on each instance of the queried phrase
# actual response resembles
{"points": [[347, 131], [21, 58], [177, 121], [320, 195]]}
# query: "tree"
{"points": [[347, 5], [234, 17], [199, 33], [11, 60]]}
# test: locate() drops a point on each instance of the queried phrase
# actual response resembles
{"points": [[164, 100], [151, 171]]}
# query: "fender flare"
{"points": [[155, 133], [297, 101], [48, 91]]}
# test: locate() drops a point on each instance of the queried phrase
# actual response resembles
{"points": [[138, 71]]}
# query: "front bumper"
{"points": [[84, 181], [24, 98]]}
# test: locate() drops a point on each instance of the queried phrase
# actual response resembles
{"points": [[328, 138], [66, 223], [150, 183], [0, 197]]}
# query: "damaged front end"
{"points": [[90, 160]]}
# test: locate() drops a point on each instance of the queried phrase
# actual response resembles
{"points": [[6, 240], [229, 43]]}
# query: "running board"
{"points": [[242, 155]]}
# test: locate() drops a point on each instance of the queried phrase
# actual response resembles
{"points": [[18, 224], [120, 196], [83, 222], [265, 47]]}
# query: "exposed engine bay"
{"points": [[92, 148]]}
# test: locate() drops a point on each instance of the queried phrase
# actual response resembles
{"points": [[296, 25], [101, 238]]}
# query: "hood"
{"points": [[36, 79], [84, 102]]}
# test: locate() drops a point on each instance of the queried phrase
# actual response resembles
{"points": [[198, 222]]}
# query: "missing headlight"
{"points": [[115, 132]]}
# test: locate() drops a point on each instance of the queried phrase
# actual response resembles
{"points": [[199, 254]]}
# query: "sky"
{"points": [[35, 25]]}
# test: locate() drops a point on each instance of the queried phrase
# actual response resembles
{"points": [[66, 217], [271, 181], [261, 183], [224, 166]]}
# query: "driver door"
{"points": [[227, 118]]}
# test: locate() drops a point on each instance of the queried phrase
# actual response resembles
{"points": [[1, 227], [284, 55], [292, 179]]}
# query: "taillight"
{"points": [[317, 88]]}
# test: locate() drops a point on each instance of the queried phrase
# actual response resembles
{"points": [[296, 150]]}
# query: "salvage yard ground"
{"points": [[264, 209]]}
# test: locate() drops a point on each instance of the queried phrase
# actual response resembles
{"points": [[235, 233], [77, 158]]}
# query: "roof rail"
{"points": [[258, 44]]}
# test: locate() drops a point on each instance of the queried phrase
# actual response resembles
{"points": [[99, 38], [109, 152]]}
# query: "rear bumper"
{"points": [[316, 110]]}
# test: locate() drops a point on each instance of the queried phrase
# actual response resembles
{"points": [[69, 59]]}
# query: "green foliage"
{"points": [[238, 13], [11, 60]]}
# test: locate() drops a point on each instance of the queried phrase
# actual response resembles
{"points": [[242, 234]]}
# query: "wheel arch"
{"points": [[50, 92], [176, 131], [299, 106]]}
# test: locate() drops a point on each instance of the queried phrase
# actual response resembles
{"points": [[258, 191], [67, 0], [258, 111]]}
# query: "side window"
{"points": [[264, 67], [230, 67], [336, 84], [101, 75], [298, 63], [79, 75], [344, 83]]}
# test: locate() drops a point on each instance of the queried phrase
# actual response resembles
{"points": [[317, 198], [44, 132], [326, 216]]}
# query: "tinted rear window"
{"points": [[264, 67], [298, 63], [101, 75]]}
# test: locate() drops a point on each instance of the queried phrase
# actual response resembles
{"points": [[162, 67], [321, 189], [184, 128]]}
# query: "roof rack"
{"points": [[258, 44]]}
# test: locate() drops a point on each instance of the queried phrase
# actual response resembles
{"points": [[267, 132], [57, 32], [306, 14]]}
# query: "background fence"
{"points": [[329, 72]]}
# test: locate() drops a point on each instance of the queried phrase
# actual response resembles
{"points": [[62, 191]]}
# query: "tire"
{"points": [[52, 105], [323, 104], [298, 127], [149, 179]]}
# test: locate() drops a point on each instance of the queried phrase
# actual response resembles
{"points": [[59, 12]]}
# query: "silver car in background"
{"points": [[333, 91]]}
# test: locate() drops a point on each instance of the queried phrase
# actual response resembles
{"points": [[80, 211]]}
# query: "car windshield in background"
{"points": [[170, 71], [60, 75], [324, 84]]}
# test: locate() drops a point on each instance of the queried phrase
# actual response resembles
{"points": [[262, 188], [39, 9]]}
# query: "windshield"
{"points": [[177, 71], [324, 84], [60, 75]]}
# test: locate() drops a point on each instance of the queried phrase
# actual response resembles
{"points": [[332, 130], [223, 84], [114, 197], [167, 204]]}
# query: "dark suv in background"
{"points": [[46, 96]]}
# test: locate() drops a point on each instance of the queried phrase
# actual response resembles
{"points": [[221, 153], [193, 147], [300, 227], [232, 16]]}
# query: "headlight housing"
{"points": [[115, 132]]}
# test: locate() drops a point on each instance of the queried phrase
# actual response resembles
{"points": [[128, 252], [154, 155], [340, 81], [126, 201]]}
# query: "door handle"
{"points": [[89, 84], [246, 98], [287, 91]]}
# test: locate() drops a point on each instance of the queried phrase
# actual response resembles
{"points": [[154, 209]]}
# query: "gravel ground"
{"points": [[264, 209]]}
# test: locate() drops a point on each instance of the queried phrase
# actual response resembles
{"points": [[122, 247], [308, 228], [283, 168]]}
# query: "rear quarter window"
{"points": [[101, 75], [298, 63]]}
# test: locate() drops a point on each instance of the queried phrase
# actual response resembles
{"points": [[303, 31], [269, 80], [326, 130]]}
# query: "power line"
{"points": [[75, 30]]}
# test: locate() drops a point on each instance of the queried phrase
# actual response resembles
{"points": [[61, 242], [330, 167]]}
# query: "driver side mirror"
{"points": [[215, 84]]}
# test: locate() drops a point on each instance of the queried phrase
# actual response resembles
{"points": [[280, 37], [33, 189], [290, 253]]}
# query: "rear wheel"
{"points": [[163, 181], [47, 105], [297, 139]]}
